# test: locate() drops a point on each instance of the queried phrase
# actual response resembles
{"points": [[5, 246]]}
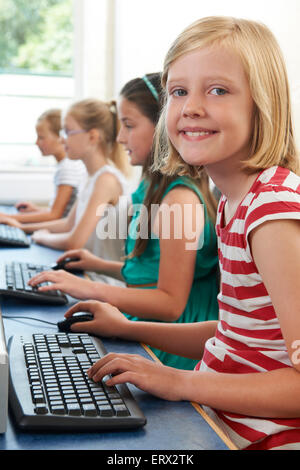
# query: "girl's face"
{"points": [[209, 107], [47, 141], [136, 132], [76, 138]]}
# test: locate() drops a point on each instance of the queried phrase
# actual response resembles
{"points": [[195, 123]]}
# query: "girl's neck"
{"points": [[59, 155], [94, 161], [234, 184]]}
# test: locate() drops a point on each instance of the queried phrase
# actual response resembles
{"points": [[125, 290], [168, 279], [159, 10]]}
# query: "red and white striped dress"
{"points": [[248, 337]]}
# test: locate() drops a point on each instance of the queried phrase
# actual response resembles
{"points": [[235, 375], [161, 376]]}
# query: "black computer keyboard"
{"points": [[49, 388], [13, 236], [14, 279]]}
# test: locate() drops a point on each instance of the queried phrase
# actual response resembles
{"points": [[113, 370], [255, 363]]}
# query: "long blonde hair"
{"points": [[95, 114], [273, 140]]}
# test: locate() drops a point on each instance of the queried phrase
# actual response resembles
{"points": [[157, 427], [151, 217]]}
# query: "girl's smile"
{"points": [[196, 134], [209, 107]]}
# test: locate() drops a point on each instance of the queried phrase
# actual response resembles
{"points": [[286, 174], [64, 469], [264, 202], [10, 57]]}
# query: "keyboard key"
{"points": [[89, 410], [120, 410], [73, 409], [41, 409]]}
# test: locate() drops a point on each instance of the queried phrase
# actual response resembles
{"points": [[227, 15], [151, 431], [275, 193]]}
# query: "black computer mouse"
{"points": [[62, 264], [65, 325], [22, 206]]}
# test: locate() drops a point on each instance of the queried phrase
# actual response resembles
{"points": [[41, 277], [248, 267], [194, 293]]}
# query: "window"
{"points": [[36, 73]]}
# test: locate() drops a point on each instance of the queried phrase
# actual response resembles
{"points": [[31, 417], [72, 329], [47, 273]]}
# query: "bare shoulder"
{"points": [[181, 195], [107, 179]]}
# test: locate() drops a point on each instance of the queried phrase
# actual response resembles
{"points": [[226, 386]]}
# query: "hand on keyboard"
{"points": [[152, 377], [65, 282], [7, 220], [14, 278]]}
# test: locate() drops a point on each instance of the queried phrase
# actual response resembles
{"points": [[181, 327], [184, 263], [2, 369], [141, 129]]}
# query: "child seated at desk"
{"points": [[67, 177], [228, 109], [165, 280], [90, 129]]}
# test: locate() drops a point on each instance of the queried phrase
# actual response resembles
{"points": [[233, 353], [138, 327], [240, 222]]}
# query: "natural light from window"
{"points": [[36, 73]]}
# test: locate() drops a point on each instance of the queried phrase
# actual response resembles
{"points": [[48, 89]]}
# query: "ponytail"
{"points": [[95, 114]]}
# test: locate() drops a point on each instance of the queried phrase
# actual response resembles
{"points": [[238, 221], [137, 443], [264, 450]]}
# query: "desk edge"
{"points": [[200, 410]]}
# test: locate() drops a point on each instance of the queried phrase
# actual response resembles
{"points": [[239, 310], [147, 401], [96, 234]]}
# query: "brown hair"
{"points": [[139, 93]]}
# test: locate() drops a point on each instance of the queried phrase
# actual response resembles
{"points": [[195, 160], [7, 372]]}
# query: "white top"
{"points": [[107, 241], [71, 173]]}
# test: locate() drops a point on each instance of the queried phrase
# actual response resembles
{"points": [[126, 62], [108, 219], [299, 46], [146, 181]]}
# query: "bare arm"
{"points": [[63, 195], [168, 300], [106, 190], [265, 394], [59, 225], [184, 339]]}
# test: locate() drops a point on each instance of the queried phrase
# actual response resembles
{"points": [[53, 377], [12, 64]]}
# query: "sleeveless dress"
{"points": [[107, 247], [138, 271]]}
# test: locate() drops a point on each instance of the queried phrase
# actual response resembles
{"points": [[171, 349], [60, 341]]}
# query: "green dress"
{"points": [[202, 302]]}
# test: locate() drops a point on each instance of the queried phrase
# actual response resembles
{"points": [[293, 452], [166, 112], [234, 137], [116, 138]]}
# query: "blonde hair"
{"points": [[53, 117], [273, 140], [95, 114]]}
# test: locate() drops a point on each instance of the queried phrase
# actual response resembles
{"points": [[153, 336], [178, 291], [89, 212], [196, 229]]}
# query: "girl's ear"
{"points": [[95, 136]]}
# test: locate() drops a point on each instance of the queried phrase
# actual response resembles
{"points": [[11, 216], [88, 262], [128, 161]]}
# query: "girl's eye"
{"points": [[178, 92], [218, 91]]}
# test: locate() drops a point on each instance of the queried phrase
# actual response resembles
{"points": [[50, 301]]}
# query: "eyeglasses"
{"points": [[65, 133]]}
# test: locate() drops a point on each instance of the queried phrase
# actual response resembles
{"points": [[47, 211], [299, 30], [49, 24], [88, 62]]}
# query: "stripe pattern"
{"points": [[248, 337]]}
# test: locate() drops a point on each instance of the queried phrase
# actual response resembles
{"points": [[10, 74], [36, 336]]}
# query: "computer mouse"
{"points": [[62, 264], [65, 325], [22, 207]]}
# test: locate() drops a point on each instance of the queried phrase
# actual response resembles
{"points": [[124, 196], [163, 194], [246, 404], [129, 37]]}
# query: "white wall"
{"points": [[36, 185]]}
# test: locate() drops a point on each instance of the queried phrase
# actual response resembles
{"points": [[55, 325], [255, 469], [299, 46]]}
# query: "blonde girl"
{"points": [[90, 130], [67, 178], [228, 110]]}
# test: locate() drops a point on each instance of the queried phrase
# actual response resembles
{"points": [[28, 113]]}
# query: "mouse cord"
{"points": [[28, 318]]}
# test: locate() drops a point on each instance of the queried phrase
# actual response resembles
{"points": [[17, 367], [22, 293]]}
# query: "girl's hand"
{"points": [[65, 282], [24, 206], [5, 219], [152, 377], [39, 236], [86, 260], [108, 320]]}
